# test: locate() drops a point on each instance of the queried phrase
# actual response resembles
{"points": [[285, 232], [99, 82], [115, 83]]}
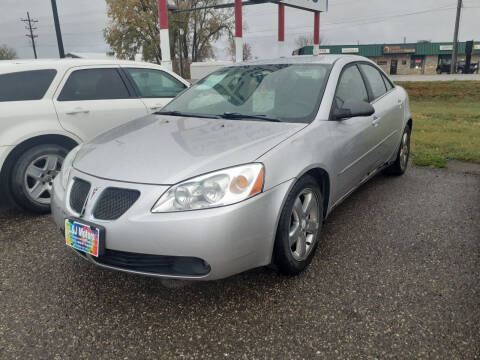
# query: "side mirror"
{"points": [[353, 108]]}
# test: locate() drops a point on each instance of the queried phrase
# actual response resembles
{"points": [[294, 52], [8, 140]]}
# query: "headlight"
{"points": [[67, 166], [215, 189]]}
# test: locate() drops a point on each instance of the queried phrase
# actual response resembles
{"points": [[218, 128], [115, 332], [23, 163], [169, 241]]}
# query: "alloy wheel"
{"points": [[404, 150], [304, 224], [39, 177]]}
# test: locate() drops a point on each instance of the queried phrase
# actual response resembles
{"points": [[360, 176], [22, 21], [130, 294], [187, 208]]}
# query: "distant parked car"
{"points": [[445, 67], [49, 107], [236, 172], [462, 68]]}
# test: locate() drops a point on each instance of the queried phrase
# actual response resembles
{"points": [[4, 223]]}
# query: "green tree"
{"points": [[7, 53], [133, 28]]}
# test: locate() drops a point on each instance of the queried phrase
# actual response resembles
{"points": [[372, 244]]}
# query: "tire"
{"points": [[289, 255], [401, 161], [32, 176]]}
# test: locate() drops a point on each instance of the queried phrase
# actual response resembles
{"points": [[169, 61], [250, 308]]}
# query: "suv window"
{"points": [[155, 83], [25, 85], [350, 87], [94, 84], [375, 80]]}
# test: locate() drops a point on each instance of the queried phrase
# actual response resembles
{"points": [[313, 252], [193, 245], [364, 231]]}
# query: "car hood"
{"points": [[160, 149]]}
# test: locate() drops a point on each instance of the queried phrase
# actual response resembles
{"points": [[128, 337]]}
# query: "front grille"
{"points": [[114, 202], [78, 194], [155, 264]]}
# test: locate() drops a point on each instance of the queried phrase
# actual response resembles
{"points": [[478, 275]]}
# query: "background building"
{"points": [[401, 59]]}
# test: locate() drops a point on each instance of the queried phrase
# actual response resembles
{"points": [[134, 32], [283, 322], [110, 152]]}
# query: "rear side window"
{"points": [[155, 83], [350, 87], [375, 80], [94, 84], [25, 85], [388, 83]]}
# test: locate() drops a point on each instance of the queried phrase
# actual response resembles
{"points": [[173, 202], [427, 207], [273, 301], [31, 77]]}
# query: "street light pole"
{"points": [[453, 66], [61, 52]]}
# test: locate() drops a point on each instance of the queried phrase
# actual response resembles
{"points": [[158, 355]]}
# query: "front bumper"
{"points": [[229, 239]]}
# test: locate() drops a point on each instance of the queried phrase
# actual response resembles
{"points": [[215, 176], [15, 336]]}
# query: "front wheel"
{"points": [[400, 165], [33, 174], [299, 227]]}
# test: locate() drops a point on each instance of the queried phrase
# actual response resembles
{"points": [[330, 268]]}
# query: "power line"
{"points": [[31, 35], [364, 21]]}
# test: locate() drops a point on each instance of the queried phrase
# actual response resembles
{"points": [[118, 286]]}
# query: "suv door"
{"points": [[388, 112], [155, 87], [91, 100], [355, 138]]}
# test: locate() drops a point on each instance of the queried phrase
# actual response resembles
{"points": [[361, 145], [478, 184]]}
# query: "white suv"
{"points": [[48, 107]]}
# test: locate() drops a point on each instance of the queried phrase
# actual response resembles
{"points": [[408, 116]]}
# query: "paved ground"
{"points": [[444, 77], [397, 276]]}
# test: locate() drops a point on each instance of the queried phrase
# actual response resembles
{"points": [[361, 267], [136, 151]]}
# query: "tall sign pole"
{"points": [[281, 29], [453, 68], [316, 32], [61, 52], [238, 31], [164, 37]]}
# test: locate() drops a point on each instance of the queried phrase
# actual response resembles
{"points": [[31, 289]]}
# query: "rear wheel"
{"points": [[32, 176], [400, 165], [299, 227]]}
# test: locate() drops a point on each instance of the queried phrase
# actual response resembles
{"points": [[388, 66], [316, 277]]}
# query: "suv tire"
{"points": [[32, 176]]}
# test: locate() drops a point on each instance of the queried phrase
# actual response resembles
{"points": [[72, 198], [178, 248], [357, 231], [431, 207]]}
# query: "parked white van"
{"points": [[49, 106]]}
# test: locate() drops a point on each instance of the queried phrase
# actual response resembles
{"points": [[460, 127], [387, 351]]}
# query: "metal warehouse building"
{"points": [[401, 59]]}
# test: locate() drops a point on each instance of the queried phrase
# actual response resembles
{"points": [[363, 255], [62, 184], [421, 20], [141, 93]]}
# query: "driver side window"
{"points": [[350, 87]]}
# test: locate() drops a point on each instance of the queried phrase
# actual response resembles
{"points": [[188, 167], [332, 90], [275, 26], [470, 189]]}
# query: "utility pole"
{"points": [[57, 30], [29, 27], [453, 67]]}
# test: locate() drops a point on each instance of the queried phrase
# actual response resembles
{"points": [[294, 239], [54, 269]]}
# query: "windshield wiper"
{"points": [[181, 113], [234, 115]]}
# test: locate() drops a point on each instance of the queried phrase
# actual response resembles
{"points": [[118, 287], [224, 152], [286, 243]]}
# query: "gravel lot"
{"points": [[397, 276]]}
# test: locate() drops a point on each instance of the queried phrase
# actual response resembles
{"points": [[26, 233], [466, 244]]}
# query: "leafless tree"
{"points": [[7, 53]]}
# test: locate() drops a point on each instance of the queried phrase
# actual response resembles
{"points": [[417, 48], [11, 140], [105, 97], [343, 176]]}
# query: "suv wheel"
{"points": [[33, 174]]}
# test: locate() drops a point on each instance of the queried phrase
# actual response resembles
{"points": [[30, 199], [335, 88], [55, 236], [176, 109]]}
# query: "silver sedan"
{"points": [[237, 172]]}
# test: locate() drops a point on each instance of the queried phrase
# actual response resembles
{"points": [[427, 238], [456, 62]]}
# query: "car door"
{"points": [[387, 117], [155, 87], [354, 138], [91, 100]]}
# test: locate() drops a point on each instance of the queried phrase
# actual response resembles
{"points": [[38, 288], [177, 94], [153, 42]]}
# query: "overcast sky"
{"points": [[346, 22]]}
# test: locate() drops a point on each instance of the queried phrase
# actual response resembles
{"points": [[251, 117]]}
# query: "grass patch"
{"points": [[446, 121]]}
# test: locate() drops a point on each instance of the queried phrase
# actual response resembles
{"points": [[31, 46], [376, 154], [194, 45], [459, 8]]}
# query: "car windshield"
{"points": [[284, 92]]}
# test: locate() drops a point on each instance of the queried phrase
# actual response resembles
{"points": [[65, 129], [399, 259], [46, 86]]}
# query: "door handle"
{"points": [[78, 112], [375, 121]]}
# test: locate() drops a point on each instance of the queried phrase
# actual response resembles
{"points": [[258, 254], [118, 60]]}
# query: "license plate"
{"points": [[84, 237]]}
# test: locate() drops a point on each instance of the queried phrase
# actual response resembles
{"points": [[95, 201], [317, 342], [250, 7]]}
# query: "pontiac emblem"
{"points": [[94, 191]]}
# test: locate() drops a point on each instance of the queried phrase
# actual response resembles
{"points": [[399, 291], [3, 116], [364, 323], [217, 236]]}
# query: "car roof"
{"points": [[304, 59], [61, 64]]}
